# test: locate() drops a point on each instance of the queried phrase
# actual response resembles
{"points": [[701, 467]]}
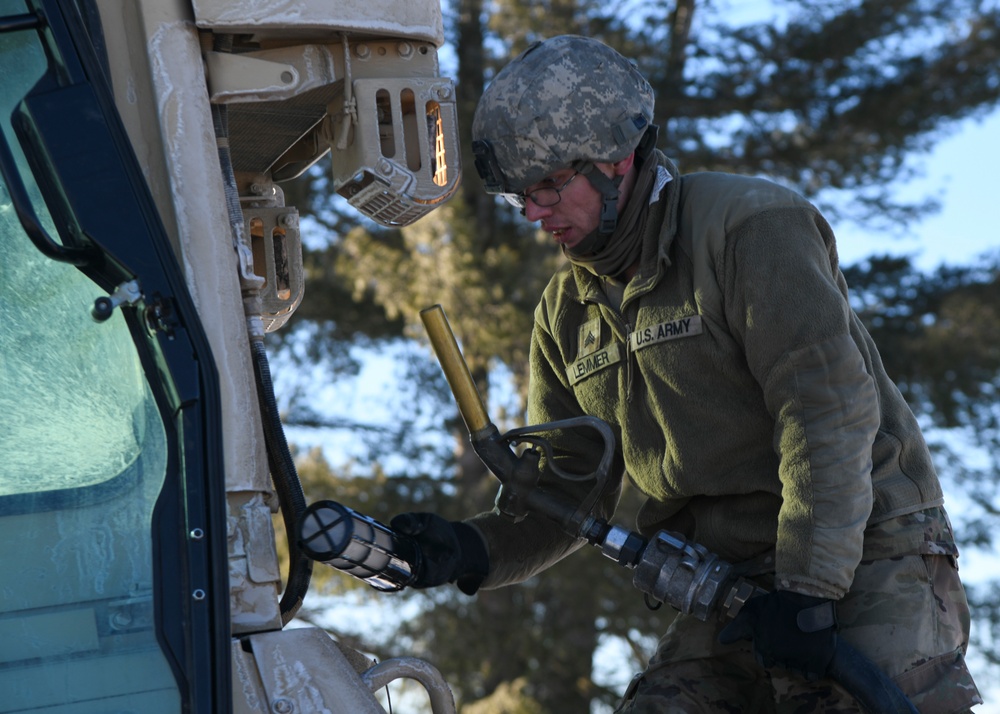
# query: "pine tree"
{"points": [[836, 99]]}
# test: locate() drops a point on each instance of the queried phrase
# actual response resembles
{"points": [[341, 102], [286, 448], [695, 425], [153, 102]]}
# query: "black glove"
{"points": [[451, 551], [788, 629]]}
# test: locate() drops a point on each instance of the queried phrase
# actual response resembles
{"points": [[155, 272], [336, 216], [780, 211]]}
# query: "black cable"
{"points": [[874, 691], [286, 483]]}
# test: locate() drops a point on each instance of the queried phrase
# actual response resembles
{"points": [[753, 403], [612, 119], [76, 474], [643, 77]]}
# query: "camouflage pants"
{"points": [[909, 615]]}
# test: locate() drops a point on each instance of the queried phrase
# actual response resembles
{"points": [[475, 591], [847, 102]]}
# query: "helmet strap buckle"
{"points": [[608, 188]]}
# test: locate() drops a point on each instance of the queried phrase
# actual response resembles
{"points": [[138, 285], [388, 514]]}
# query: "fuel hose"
{"points": [[874, 691]]}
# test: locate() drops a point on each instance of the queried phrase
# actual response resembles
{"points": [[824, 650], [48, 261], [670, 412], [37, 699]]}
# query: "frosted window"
{"points": [[83, 458]]}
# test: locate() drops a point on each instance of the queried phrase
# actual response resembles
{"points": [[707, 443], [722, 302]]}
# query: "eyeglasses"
{"points": [[541, 197]]}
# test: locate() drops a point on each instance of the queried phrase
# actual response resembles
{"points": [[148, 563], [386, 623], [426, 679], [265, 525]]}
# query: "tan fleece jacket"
{"points": [[750, 405]]}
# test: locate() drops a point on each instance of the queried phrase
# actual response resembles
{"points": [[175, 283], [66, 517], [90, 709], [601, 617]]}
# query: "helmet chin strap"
{"points": [[595, 241], [608, 188], [598, 239]]}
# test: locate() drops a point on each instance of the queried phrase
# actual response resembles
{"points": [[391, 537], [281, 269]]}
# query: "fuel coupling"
{"points": [[670, 569]]}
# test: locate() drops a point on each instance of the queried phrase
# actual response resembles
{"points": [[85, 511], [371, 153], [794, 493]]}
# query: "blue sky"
{"points": [[963, 171]]}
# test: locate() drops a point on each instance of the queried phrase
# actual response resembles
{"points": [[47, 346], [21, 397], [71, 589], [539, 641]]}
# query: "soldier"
{"points": [[705, 318]]}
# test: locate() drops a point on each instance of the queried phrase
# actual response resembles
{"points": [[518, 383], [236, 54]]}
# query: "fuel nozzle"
{"points": [[356, 544], [518, 473]]}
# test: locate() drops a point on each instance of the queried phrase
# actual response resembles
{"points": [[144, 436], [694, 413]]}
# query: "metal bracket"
{"points": [[125, 294]]}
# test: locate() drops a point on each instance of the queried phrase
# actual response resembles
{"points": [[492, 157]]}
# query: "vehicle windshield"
{"points": [[71, 390]]}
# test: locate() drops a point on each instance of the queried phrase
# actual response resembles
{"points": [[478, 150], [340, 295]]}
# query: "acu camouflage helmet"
{"points": [[562, 103]]}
